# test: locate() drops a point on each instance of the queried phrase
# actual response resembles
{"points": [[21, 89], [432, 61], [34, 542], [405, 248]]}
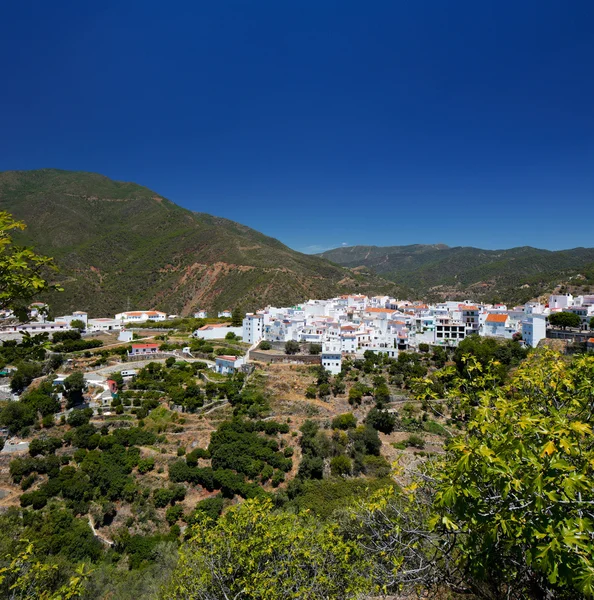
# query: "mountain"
{"points": [[437, 271], [120, 244]]}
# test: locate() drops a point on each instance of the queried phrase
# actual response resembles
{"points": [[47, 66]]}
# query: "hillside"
{"points": [[438, 271], [120, 243]]}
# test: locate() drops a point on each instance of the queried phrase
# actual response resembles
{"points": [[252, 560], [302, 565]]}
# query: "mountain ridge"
{"points": [[119, 242], [457, 272]]}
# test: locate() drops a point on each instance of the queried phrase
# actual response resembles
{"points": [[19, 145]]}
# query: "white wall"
{"points": [[218, 333]]}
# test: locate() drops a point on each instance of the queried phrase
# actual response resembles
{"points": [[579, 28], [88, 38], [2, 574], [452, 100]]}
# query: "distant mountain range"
{"points": [[435, 272], [120, 244]]}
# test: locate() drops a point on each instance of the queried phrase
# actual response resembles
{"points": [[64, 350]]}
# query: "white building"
{"points": [[37, 327], [534, 329], [216, 331], [200, 314], [227, 364], [104, 324], [78, 315], [470, 317], [253, 328], [560, 301], [498, 325], [144, 349], [448, 332], [140, 316], [332, 357], [225, 313], [125, 336]]}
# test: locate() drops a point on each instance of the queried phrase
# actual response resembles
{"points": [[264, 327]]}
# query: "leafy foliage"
{"points": [[520, 481], [253, 552], [564, 319]]}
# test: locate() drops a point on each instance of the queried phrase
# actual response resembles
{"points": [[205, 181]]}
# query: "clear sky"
{"points": [[319, 122]]}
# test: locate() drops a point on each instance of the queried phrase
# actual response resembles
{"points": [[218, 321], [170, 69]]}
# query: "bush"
{"points": [[292, 347], [381, 420], [80, 417], [173, 514], [341, 465], [264, 345], [315, 349], [145, 465], [415, 441], [345, 421], [311, 392]]}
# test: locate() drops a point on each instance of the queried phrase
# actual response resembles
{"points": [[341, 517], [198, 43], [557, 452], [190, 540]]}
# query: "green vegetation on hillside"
{"points": [[437, 272], [116, 242]]}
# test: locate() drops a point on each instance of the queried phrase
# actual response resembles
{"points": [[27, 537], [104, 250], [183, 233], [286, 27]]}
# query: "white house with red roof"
{"points": [[143, 349], [226, 364], [498, 325]]}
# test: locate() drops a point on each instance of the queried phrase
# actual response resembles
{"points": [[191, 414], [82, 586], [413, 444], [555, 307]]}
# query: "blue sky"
{"points": [[319, 123]]}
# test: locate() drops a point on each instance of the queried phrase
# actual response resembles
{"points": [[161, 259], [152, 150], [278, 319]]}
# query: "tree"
{"points": [[237, 317], [315, 349], [264, 345], [592, 323], [80, 417], [74, 386], [230, 336], [345, 421], [565, 319], [24, 577], [16, 416], [22, 272], [381, 395], [253, 552], [381, 420], [341, 465], [292, 347], [78, 324], [520, 482], [24, 375]]}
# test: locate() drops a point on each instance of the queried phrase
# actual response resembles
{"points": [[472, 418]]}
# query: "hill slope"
{"points": [[438, 271], [115, 241]]}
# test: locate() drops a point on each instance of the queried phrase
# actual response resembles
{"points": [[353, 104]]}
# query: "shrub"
{"points": [[416, 441], [341, 465], [145, 465], [381, 420], [344, 421], [292, 347]]}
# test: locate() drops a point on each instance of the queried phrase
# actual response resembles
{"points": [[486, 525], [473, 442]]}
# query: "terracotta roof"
{"points": [[144, 346], [212, 326], [497, 318], [465, 307], [591, 341], [228, 357], [379, 310]]}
